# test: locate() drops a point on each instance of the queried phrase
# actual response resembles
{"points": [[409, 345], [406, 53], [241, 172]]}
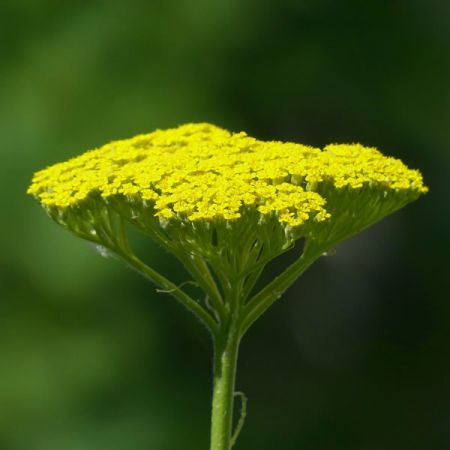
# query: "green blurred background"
{"points": [[356, 355]]}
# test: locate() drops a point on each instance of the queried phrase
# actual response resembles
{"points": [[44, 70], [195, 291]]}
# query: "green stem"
{"points": [[202, 275], [171, 288], [226, 349], [273, 291]]}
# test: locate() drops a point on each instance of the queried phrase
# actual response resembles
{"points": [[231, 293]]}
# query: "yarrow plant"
{"points": [[225, 205]]}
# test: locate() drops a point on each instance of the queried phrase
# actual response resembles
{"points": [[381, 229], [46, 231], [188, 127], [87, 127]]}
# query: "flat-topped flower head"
{"points": [[201, 177], [202, 172]]}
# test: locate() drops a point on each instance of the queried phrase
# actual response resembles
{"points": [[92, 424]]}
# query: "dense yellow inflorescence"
{"points": [[202, 172]]}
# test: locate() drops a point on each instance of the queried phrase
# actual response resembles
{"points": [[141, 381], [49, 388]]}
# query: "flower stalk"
{"points": [[226, 349]]}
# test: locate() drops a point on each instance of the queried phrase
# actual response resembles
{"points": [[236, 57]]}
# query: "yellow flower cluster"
{"points": [[202, 172]]}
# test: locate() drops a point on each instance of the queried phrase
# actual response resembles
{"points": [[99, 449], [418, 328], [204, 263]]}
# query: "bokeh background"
{"points": [[356, 355]]}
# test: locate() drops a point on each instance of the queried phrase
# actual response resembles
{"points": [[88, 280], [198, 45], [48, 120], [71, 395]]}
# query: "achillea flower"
{"points": [[199, 174], [224, 204]]}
